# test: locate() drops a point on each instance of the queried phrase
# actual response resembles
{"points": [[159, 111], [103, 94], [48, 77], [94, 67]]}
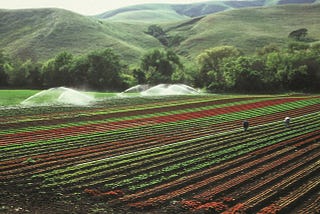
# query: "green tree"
{"points": [[298, 70], [275, 74], [139, 75], [49, 74], [305, 70], [104, 70], [3, 74], [25, 74], [79, 71], [157, 32], [32, 74], [298, 78], [244, 74], [209, 65], [299, 34], [159, 66], [56, 72]]}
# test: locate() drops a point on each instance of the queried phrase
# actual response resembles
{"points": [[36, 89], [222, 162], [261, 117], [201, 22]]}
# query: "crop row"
{"points": [[95, 128], [221, 185], [150, 156], [230, 168], [183, 135], [175, 138], [213, 151], [104, 113], [128, 115], [108, 105], [205, 184]]}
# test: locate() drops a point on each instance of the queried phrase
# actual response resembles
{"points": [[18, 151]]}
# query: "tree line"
{"points": [[296, 68], [217, 69]]}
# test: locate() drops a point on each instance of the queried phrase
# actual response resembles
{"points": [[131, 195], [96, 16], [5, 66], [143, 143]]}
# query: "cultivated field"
{"points": [[174, 154]]}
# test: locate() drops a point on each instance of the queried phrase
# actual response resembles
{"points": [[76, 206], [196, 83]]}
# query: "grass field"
{"points": [[41, 34], [247, 29], [166, 154], [14, 97]]}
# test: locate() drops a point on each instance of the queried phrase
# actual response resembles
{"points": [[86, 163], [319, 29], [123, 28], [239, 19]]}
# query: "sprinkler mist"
{"points": [[59, 96], [169, 89], [161, 90]]}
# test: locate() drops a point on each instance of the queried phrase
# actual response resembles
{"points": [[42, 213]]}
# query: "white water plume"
{"points": [[59, 96], [137, 89], [169, 89]]}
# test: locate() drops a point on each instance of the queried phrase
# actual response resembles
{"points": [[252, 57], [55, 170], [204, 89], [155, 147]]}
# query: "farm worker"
{"points": [[245, 125], [287, 122]]}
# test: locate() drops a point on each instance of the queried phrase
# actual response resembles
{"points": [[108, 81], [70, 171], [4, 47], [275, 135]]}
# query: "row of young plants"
{"points": [[118, 118], [39, 165], [158, 178], [86, 112], [219, 185], [253, 174], [272, 193], [188, 180], [105, 105], [71, 151], [218, 182], [57, 157], [110, 124], [14, 146], [182, 173], [134, 182], [185, 187], [283, 174], [267, 187], [286, 202], [162, 198]]}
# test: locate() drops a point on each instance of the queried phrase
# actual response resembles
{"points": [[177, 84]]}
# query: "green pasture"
{"points": [[15, 97]]}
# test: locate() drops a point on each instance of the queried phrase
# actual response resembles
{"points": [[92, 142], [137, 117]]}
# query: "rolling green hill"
{"points": [[146, 13], [152, 13], [39, 34], [247, 29]]}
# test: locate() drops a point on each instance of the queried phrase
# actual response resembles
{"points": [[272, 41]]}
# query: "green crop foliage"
{"points": [[214, 158]]}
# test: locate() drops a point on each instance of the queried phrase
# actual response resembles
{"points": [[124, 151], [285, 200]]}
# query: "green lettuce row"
{"points": [[291, 133], [35, 128], [163, 126]]}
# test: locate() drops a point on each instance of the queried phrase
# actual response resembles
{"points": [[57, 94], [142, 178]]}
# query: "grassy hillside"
{"points": [[169, 12], [146, 13], [148, 16], [173, 12], [247, 29], [42, 33]]}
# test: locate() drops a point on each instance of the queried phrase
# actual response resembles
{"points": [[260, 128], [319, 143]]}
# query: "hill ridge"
{"points": [[40, 34], [192, 10]]}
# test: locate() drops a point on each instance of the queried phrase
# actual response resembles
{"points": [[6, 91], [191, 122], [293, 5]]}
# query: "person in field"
{"points": [[245, 125], [287, 122]]}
